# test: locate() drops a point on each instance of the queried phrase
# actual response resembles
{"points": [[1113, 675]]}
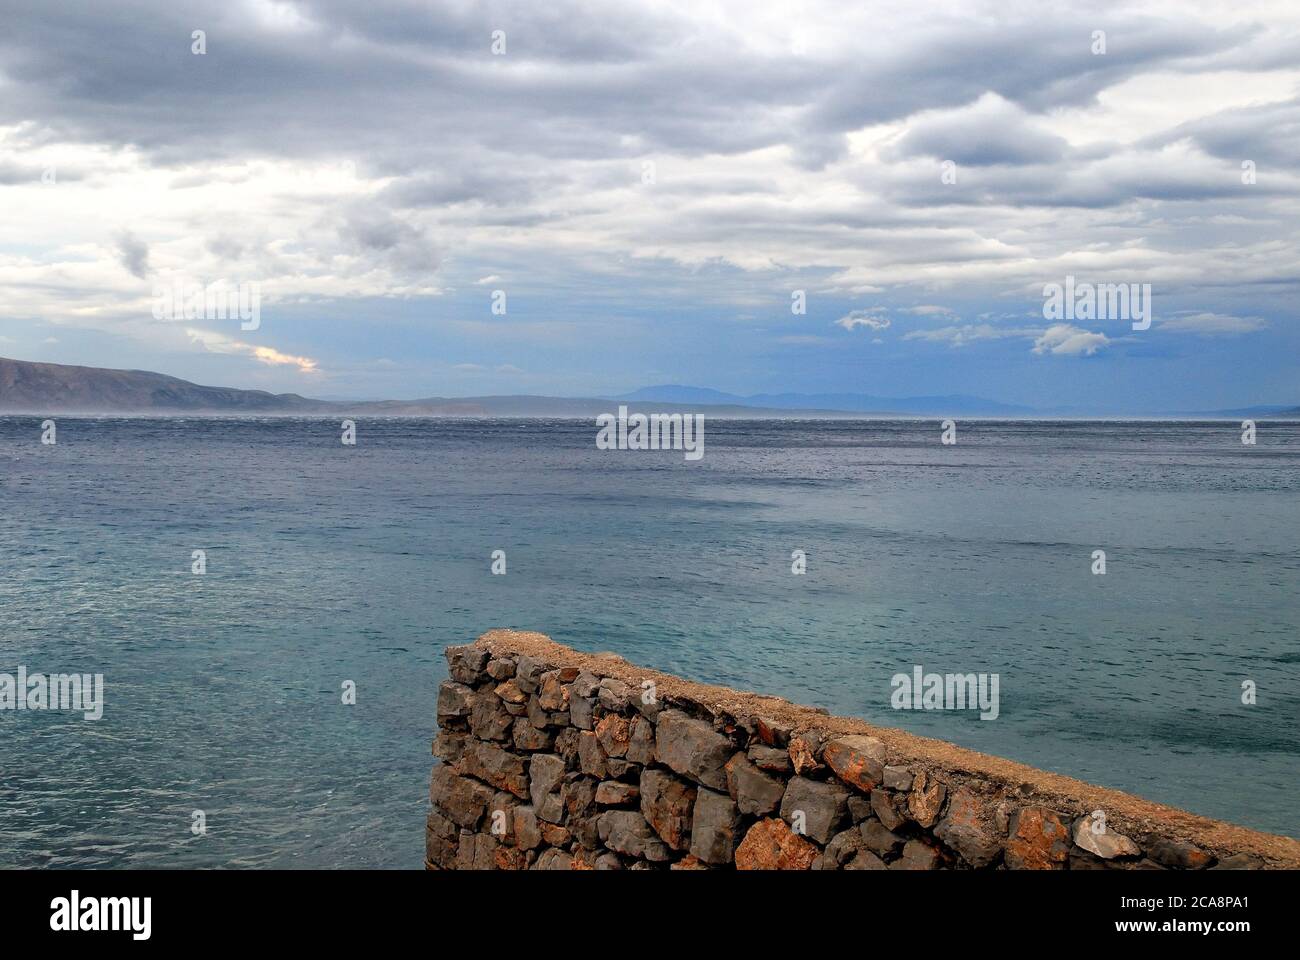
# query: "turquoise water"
{"points": [[329, 563]]}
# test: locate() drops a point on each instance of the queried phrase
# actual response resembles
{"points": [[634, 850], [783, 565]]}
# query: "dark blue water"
{"points": [[329, 563]]}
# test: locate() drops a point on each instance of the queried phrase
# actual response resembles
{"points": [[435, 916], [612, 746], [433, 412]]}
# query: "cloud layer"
{"points": [[938, 170]]}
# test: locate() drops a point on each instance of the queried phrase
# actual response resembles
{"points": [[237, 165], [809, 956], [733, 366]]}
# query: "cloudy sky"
{"points": [[648, 184]]}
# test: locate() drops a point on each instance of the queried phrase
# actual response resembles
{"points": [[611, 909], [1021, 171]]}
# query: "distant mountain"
{"points": [[44, 388], [53, 387], [1265, 412], [845, 402]]}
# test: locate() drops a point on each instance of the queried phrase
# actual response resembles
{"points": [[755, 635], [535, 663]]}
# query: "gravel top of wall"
{"points": [[1127, 812]]}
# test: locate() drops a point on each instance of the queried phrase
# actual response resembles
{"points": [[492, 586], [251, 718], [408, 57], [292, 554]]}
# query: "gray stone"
{"points": [[454, 700], [466, 664], [529, 738], [626, 831], [581, 711], [879, 840], [540, 718], [448, 745], [501, 668], [715, 822], [528, 834], [585, 685], [615, 695], [866, 860], [752, 789], [439, 826], [1239, 861], [566, 745], [844, 846], [488, 718], [692, 748], [859, 808], [440, 839], [621, 769], [646, 700], [917, 856], [491, 764], [476, 852], [641, 742], [770, 759], [823, 805], [459, 799], [579, 794], [886, 809], [528, 672], [898, 778], [500, 820], [964, 829], [591, 756], [1082, 860], [546, 773], [552, 859]]}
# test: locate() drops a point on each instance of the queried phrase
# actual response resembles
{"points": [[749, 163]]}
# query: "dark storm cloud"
{"points": [[988, 132], [821, 158], [133, 254], [579, 79], [378, 235], [1266, 134]]}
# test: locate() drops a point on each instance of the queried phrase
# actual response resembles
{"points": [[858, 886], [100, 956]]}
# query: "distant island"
{"points": [[44, 388]]}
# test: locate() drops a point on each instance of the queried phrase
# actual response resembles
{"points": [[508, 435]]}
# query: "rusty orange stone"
{"points": [[771, 845], [1038, 841], [614, 733], [801, 755], [858, 761], [510, 858], [554, 834], [689, 862], [765, 730], [925, 800]]}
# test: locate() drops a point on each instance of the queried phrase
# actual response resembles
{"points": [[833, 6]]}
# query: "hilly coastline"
{"points": [[45, 388]]}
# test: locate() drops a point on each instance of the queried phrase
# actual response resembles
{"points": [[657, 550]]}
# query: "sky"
{"points": [[643, 189]]}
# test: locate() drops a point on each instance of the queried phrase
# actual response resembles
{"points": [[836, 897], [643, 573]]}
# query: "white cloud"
{"points": [[1212, 325], [219, 343], [972, 332], [1062, 339], [1068, 163], [872, 319]]}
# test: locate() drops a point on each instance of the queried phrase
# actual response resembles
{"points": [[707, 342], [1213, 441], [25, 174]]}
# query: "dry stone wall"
{"points": [[555, 760]]}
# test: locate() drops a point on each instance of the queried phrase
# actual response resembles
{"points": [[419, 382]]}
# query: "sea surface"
{"points": [[328, 563]]}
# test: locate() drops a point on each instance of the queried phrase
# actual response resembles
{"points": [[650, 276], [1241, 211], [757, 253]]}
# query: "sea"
{"points": [[336, 572]]}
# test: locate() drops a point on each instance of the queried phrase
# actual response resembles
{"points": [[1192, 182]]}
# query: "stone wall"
{"points": [[552, 760]]}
